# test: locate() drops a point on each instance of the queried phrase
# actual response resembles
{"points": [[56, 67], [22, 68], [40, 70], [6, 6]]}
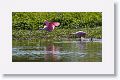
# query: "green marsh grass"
{"points": [[57, 34]]}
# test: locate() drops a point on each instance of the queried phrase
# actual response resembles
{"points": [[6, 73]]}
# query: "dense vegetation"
{"points": [[25, 25], [57, 34], [73, 20]]}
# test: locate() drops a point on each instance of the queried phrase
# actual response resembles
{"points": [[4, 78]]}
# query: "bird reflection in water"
{"points": [[51, 53], [82, 45]]}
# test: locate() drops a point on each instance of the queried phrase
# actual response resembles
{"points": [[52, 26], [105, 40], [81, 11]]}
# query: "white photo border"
{"points": [[104, 67]]}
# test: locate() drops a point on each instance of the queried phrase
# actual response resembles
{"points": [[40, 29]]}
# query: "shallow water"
{"points": [[56, 51]]}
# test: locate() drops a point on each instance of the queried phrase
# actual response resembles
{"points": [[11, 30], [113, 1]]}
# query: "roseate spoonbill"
{"points": [[80, 34], [49, 26]]}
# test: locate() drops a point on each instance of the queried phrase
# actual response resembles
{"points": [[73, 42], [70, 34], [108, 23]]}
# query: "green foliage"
{"points": [[68, 20], [57, 34]]}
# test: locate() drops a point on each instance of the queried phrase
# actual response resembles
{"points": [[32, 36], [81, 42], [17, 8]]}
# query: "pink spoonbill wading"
{"points": [[80, 34], [50, 26]]}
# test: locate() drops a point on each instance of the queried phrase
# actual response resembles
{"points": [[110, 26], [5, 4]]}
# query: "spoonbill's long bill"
{"points": [[49, 26], [80, 34]]}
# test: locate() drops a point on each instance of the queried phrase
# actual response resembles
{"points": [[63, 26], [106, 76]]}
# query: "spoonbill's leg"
{"points": [[91, 39], [80, 38]]}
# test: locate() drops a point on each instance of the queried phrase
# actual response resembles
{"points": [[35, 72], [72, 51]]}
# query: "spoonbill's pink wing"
{"points": [[46, 23], [55, 23], [50, 27]]}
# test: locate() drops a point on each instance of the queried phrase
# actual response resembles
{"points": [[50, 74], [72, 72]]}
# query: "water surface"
{"points": [[56, 51]]}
